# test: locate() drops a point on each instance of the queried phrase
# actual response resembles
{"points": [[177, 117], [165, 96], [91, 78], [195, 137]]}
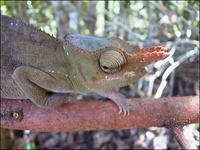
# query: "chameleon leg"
{"points": [[50, 82], [118, 99], [33, 91]]}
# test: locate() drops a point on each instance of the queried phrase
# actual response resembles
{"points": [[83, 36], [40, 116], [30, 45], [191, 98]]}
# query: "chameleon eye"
{"points": [[111, 61]]}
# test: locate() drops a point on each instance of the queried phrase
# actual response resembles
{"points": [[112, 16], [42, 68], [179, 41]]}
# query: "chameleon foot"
{"points": [[56, 99], [119, 100], [123, 106]]}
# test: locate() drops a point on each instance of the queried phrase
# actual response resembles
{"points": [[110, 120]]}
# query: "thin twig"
{"points": [[178, 134]]}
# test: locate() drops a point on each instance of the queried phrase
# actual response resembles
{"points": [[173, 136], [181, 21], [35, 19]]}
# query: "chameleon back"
{"points": [[24, 45]]}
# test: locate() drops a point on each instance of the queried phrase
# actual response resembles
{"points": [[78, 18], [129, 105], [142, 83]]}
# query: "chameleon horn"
{"points": [[111, 61]]}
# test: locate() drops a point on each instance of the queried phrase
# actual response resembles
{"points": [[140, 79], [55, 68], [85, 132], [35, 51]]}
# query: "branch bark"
{"points": [[99, 115], [181, 139]]}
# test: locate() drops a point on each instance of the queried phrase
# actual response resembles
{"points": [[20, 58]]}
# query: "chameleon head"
{"points": [[104, 64], [118, 68]]}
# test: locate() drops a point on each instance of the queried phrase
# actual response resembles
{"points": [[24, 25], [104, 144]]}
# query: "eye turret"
{"points": [[111, 61]]}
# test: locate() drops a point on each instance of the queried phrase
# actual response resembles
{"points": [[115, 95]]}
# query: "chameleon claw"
{"points": [[128, 113], [120, 110], [124, 108], [124, 113]]}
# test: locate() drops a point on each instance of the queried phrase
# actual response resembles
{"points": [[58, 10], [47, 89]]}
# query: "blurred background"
{"points": [[173, 24]]}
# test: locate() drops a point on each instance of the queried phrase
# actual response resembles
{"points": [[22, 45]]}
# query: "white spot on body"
{"points": [[129, 74], [11, 24], [106, 77]]}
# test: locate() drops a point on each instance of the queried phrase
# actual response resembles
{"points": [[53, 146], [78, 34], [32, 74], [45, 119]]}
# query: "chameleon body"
{"points": [[39, 67]]}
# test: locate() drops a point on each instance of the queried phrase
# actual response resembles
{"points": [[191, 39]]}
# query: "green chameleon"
{"points": [[39, 67]]}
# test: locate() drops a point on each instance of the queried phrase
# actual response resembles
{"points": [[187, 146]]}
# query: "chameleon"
{"points": [[44, 69]]}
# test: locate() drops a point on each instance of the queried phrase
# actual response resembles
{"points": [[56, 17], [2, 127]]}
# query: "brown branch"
{"points": [[99, 115], [181, 139]]}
